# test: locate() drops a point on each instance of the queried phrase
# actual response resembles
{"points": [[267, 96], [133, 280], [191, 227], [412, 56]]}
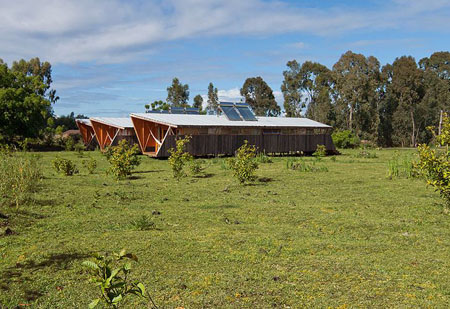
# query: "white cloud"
{"points": [[69, 31], [298, 45]]}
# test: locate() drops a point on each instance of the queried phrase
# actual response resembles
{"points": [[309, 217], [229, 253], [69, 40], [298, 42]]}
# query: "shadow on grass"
{"points": [[148, 172], [208, 175], [58, 260]]}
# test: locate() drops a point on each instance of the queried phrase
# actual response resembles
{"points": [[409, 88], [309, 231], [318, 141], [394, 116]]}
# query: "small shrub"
{"points": [[79, 148], [321, 151], [113, 279], [20, 177], [69, 144], [144, 223], [244, 164], [90, 165], [65, 166], [178, 157], [197, 167], [345, 139], [434, 165], [263, 158], [123, 158]]}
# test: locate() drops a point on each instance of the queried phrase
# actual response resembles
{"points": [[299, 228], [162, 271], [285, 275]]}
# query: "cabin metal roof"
{"points": [[182, 120], [84, 121], [121, 123]]}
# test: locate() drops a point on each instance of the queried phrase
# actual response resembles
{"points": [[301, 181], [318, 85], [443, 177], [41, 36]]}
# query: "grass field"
{"points": [[348, 237]]}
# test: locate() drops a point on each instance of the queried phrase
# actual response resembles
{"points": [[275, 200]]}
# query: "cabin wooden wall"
{"points": [[204, 145], [88, 134]]}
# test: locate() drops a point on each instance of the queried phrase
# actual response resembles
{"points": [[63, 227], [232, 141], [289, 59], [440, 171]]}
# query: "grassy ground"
{"points": [[346, 237]]}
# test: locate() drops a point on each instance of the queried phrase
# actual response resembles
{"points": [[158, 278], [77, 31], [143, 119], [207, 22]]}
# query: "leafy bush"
{"points": [[144, 223], [434, 165], [197, 167], [123, 158], [20, 177], [345, 139], [113, 279], [321, 151], [90, 165], [79, 148], [65, 166], [178, 157], [69, 144], [244, 164]]}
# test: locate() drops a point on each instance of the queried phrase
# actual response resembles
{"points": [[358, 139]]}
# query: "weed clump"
{"points": [[90, 165], [20, 177], [65, 166]]}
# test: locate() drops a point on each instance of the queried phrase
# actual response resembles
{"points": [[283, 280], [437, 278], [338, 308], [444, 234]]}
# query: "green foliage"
{"points": [[179, 157], [197, 167], [213, 97], [65, 166], [303, 166], [263, 158], [366, 154], [345, 139], [198, 102], [178, 94], [401, 166], [435, 166], [244, 163], [260, 97], [122, 158], [321, 151], [90, 165], [20, 177], [79, 148], [69, 143], [111, 275], [144, 223]]}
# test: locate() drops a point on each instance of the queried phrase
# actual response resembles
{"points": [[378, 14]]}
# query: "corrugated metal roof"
{"points": [[213, 120], [84, 121], [122, 123]]}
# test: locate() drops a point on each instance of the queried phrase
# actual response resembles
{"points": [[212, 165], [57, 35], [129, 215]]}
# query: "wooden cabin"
{"points": [[213, 135], [109, 131], [87, 132]]}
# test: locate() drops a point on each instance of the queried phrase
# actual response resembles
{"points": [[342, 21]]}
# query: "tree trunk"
{"points": [[350, 120]]}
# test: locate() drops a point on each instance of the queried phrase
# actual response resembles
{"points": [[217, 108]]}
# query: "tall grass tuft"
{"points": [[20, 177], [401, 167]]}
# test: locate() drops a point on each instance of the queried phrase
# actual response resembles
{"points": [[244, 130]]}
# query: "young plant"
{"points": [[112, 277], [244, 164], [79, 148], [434, 165], [321, 151], [123, 158], [90, 165], [65, 166], [144, 223], [197, 167], [69, 143], [263, 158], [179, 157]]}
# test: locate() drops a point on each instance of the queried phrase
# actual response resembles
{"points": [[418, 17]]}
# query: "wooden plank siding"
{"points": [[214, 145]]}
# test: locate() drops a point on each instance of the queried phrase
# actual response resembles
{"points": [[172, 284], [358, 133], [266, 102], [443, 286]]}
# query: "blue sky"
{"points": [[111, 57]]}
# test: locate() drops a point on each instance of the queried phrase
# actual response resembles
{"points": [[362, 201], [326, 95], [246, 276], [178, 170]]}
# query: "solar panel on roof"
{"points": [[164, 112], [192, 111], [230, 112], [245, 111], [177, 110], [153, 111]]}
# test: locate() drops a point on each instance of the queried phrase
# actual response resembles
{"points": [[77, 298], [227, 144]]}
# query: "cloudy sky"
{"points": [[110, 57]]}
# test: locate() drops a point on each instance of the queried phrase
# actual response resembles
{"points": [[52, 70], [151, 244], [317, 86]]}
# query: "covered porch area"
{"points": [[151, 135]]}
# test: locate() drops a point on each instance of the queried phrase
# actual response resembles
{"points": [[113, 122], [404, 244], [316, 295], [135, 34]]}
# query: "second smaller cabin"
{"points": [[109, 131]]}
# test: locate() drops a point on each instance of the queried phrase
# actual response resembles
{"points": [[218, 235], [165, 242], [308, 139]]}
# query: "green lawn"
{"points": [[348, 237]]}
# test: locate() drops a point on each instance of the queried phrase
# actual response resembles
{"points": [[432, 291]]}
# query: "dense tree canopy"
{"points": [[198, 102], [25, 99], [178, 94], [390, 105], [260, 97]]}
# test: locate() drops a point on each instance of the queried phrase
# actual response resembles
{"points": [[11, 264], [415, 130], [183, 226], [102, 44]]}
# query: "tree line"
{"points": [[390, 105]]}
